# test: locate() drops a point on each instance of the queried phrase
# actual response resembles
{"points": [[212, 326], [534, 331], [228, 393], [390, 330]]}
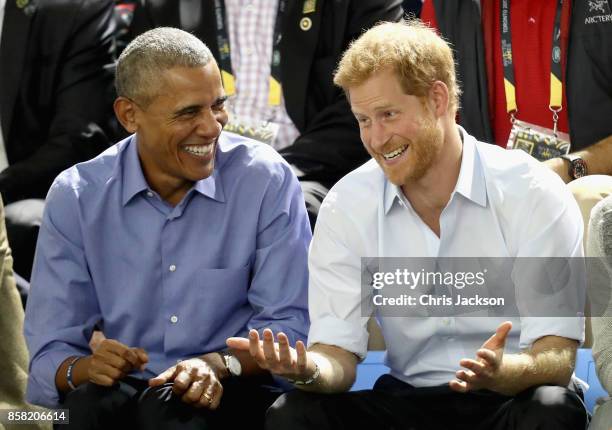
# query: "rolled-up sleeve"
{"points": [[279, 283], [62, 307], [334, 294], [555, 230]]}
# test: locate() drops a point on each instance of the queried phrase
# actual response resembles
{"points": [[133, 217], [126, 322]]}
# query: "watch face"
{"points": [[233, 365], [579, 168]]}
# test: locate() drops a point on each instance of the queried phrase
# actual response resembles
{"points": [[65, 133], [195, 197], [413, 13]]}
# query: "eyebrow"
{"points": [[181, 111], [385, 106], [220, 100]]}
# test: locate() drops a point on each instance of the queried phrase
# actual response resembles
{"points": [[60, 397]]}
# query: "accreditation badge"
{"points": [[540, 142], [265, 132]]}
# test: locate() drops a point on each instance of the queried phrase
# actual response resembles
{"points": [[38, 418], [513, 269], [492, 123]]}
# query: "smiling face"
{"points": [[398, 130], [179, 129]]}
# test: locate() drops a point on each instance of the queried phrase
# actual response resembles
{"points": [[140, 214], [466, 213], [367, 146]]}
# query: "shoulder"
{"points": [[356, 196], [92, 175], [514, 174]]}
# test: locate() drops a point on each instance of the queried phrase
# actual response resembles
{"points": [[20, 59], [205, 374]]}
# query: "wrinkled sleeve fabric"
{"points": [[62, 307], [279, 283], [555, 229], [335, 299]]}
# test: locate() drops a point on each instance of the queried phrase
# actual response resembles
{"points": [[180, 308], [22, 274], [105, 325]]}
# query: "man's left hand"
{"points": [[483, 372], [195, 381]]}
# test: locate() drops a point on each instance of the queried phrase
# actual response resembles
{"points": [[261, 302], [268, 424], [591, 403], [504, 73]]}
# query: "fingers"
{"points": [[466, 375], [216, 394], [284, 351], [183, 380], [104, 374], [488, 357], [143, 358], [498, 340], [302, 358], [255, 348], [238, 343], [111, 361], [475, 366], [194, 394], [269, 349], [162, 378], [211, 396], [459, 386]]}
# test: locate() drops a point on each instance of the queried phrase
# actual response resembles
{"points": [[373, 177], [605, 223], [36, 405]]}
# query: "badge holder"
{"points": [[540, 142], [265, 132]]}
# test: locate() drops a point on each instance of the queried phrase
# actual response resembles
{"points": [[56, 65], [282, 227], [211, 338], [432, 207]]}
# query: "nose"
{"points": [[210, 124], [378, 135]]}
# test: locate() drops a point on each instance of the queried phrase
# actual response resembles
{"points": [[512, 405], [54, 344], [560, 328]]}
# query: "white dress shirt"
{"points": [[505, 204]]}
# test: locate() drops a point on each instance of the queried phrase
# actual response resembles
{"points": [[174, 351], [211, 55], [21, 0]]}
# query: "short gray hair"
{"points": [[147, 56]]}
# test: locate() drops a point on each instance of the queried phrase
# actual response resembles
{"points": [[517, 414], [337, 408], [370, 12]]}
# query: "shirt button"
{"points": [[172, 268], [173, 319], [149, 194]]}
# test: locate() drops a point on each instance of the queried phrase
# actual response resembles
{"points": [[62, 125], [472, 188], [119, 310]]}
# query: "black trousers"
{"points": [[132, 404], [395, 405]]}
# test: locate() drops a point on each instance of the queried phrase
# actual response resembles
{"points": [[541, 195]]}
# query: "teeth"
{"points": [[198, 149], [394, 154]]}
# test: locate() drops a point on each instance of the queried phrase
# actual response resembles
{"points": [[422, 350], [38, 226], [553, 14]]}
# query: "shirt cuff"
{"points": [[350, 336], [41, 388], [533, 328]]}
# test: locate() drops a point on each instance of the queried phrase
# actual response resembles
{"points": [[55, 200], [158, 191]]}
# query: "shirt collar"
{"points": [[470, 184], [134, 181]]}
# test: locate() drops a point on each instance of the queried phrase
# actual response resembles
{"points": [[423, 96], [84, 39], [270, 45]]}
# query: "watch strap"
{"points": [[69, 373], [310, 380], [577, 166]]}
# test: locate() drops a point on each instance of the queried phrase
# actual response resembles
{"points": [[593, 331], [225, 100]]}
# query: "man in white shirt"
{"points": [[431, 190]]}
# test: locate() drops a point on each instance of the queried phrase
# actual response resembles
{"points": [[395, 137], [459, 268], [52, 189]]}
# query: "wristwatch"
{"points": [[232, 364], [577, 166]]}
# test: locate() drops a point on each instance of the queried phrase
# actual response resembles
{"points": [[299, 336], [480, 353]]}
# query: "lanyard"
{"points": [[556, 85], [225, 60]]}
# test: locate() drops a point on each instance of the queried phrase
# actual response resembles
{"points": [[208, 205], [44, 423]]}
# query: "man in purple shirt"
{"points": [[173, 240]]}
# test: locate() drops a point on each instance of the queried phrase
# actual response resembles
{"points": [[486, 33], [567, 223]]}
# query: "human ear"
{"points": [[439, 98], [125, 110]]}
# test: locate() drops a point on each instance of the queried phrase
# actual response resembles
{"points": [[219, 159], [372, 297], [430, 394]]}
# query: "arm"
{"points": [[550, 360], [279, 280], [598, 158], [62, 306], [335, 366], [338, 335], [80, 103]]}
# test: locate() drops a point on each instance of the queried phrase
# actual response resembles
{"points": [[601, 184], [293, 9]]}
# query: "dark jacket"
{"points": [[588, 72], [55, 89], [329, 145]]}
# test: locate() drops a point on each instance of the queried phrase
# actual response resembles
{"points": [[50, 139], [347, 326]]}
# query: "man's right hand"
{"points": [[277, 357], [112, 361]]}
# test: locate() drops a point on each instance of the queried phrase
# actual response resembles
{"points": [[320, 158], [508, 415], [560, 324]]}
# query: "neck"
{"points": [[433, 191]]}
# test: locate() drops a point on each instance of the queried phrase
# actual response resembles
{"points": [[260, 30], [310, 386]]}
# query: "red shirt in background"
{"points": [[532, 28]]}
